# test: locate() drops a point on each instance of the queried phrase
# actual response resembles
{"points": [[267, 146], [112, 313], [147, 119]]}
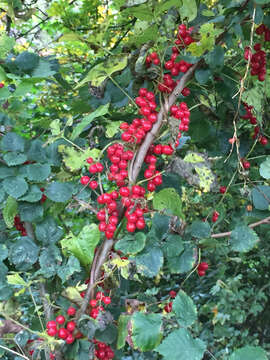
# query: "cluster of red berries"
{"points": [[103, 351], [19, 225], [152, 58], [56, 327], [263, 29], [168, 307], [1, 85], [182, 113], [215, 216], [93, 169], [95, 304], [119, 159], [202, 267], [44, 197], [253, 120]]}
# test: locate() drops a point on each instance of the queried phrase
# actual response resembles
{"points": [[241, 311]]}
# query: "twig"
{"points": [[86, 205], [228, 233], [14, 352]]}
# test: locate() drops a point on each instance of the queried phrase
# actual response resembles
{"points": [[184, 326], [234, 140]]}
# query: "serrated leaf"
{"points": [[131, 244], [208, 34], [67, 270], [249, 353], [16, 279], [15, 186], [59, 192], [13, 158], [76, 160], [168, 200], [146, 330], [9, 212], [33, 194], [180, 345], [100, 72], [243, 238], [38, 172], [183, 263], [48, 261], [86, 121], [24, 253], [261, 197], [112, 128], [83, 245], [265, 168], [30, 212], [200, 229], [173, 245], [12, 142], [122, 330], [184, 309], [188, 10], [48, 232]]}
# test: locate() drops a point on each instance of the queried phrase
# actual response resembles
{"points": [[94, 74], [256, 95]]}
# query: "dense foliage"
{"points": [[135, 179]]}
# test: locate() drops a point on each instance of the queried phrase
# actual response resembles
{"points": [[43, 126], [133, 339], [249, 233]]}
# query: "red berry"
{"points": [[203, 266], [71, 311], [263, 140], [99, 295], [51, 324], [172, 294], [60, 319], [93, 184], [140, 224], [94, 313], [201, 272], [158, 149], [93, 303], [85, 180], [92, 169], [99, 167], [106, 300], [63, 333], [124, 191], [222, 189], [246, 164], [167, 150], [1, 85], [71, 326], [131, 227], [154, 55], [69, 339], [168, 307], [89, 160], [52, 331]]}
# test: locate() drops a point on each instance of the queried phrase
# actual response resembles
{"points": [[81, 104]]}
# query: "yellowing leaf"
{"points": [[74, 159], [120, 263], [206, 177], [16, 279], [193, 158]]}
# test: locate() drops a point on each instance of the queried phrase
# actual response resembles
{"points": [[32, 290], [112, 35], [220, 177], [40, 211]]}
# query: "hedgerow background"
{"points": [[188, 277]]}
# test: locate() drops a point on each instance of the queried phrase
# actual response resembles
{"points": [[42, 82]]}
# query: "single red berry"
{"points": [[71, 326], [246, 164], [99, 295], [52, 356], [85, 180], [131, 227], [51, 324], [52, 331], [69, 339], [94, 313], [140, 224], [1, 85], [89, 160], [71, 311], [60, 319], [63, 333], [201, 272], [93, 303], [203, 266], [263, 140], [106, 300], [172, 294], [93, 184], [168, 307], [222, 189], [167, 150]]}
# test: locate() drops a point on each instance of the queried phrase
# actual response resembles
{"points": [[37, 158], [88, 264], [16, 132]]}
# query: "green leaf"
{"points": [[261, 197], [202, 75], [6, 172], [200, 229], [6, 44], [112, 128], [16, 279], [173, 246], [180, 345], [75, 160], [13, 158], [9, 212], [27, 61], [12, 142], [100, 111], [108, 335], [59, 192], [83, 245], [48, 261], [68, 269], [215, 58], [3, 252], [43, 69], [249, 353], [184, 262], [33, 194], [149, 261], [30, 212], [38, 172], [168, 200], [131, 244], [184, 309], [261, 2], [100, 72], [15, 186], [146, 330], [21, 339], [255, 96], [188, 10], [208, 34], [243, 238], [122, 330], [48, 232], [161, 224], [265, 168], [147, 34], [24, 253]]}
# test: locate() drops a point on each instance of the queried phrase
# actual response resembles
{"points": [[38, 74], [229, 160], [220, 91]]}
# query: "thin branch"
{"points": [[228, 233], [86, 205], [14, 352]]}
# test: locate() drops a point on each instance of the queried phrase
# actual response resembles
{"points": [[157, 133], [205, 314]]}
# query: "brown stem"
{"points": [[154, 131], [228, 233]]}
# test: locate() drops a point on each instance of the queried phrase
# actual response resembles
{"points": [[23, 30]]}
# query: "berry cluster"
{"points": [[182, 113], [62, 329], [202, 267], [253, 120], [93, 169], [44, 197], [119, 159], [19, 225], [103, 351], [152, 58], [95, 304], [215, 216]]}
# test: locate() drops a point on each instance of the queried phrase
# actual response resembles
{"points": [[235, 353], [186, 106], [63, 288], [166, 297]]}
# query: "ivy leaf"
{"points": [[180, 345], [9, 212], [184, 309], [38, 172], [48, 232], [59, 192], [24, 253], [131, 244], [243, 239], [249, 353], [169, 200], [100, 111], [74, 159], [265, 168], [188, 10], [261, 197], [67, 270], [83, 245], [146, 330], [200, 229], [14, 158], [15, 186]]}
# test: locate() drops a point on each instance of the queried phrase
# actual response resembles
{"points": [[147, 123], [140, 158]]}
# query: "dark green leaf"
{"points": [[12, 142], [131, 244], [24, 253], [184, 262], [249, 353], [27, 61], [48, 261], [10, 211], [3, 252], [146, 330], [38, 172], [200, 229], [68, 269], [30, 212], [33, 194], [149, 261], [122, 330], [173, 246], [6, 172], [48, 232], [59, 192], [243, 238], [161, 224], [180, 345], [215, 58], [13, 158], [15, 186], [202, 75], [108, 335], [21, 338], [184, 309], [261, 197], [36, 151]]}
